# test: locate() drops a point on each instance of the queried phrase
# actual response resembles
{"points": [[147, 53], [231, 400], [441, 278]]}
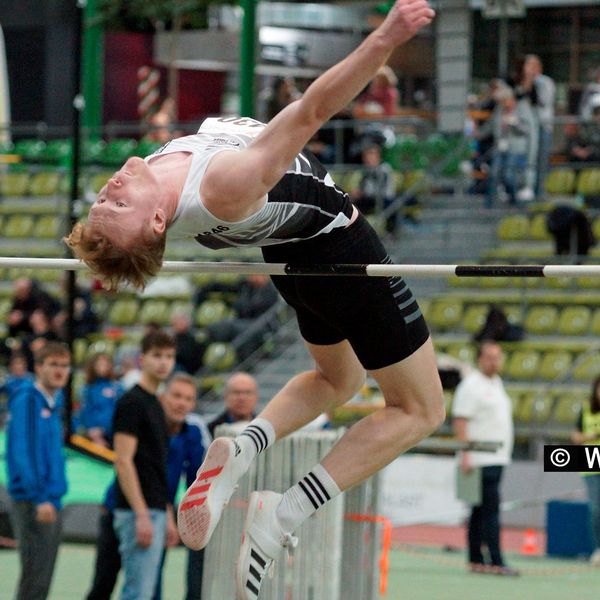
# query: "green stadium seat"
{"points": [[588, 369], [102, 346], [5, 307], [45, 184], [211, 311], [123, 312], [58, 152], [464, 352], [567, 408], [541, 319], [523, 364], [560, 181], [14, 184], [116, 152], [533, 408], [555, 364], [595, 323], [446, 314], [47, 227], [18, 226], [154, 311], [31, 151], [514, 227], [146, 147], [351, 180], [538, 229], [219, 356], [92, 150], [588, 183], [574, 320], [80, 349]]}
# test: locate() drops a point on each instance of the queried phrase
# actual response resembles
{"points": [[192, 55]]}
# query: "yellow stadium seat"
{"points": [[45, 184], [595, 322], [533, 408], [462, 351], [555, 364], [523, 364], [154, 311], [538, 229], [18, 226], [514, 227], [567, 408], [14, 184], [474, 317], [574, 320], [47, 227], [541, 319], [560, 181], [219, 356], [588, 182], [588, 369], [211, 311], [123, 312], [446, 314]]}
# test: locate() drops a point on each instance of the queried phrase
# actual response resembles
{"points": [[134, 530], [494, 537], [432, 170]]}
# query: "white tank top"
{"points": [[305, 203]]}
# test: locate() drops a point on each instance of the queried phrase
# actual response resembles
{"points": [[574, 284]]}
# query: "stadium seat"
{"points": [[464, 352], [474, 317], [560, 181], [80, 348], [45, 184], [595, 323], [18, 226], [538, 229], [57, 152], [446, 314], [116, 152], [514, 227], [5, 307], [146, 147], [574, 320], [154, 311], [104, 346], [588, 183], [588, 369], [31, 151], [523, 364], [92, 150], [533, 408], [98, 181], [123, 312], [541, 320], [47, 227], [219, 356], [14, 184], [555, 364], [567, 408], [211, 311], [180, 306]]}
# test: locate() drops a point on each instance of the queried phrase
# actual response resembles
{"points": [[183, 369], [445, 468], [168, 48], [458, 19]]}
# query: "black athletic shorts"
{"points": [[379, 316]]}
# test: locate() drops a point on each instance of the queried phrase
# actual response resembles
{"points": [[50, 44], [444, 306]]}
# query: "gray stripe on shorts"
{"points": [[413, 316]]}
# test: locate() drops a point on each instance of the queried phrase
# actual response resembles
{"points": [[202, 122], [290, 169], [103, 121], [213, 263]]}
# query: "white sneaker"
{"points": [[202, 505], [262, 543], [595, 558]]}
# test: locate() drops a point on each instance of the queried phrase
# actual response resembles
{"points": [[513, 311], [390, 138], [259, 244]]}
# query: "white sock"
{"points": [[306, 497], [256, 438]]}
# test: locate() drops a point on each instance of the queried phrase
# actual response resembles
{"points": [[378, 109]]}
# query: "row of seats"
{"points": [[43, 184], [349, 180], [566, 181], [453, 314], [534, 365], [30, 226], [523, 227], [93, 152]]}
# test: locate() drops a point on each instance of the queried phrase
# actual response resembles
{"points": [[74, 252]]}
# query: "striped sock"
{"points": [[306, 497], [256, 438]]}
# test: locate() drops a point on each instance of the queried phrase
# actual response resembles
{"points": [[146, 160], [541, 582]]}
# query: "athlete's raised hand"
{"points": [[405, 19]]}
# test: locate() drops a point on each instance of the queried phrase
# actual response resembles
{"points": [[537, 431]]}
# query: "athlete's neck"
{"points": [[171, 170]]}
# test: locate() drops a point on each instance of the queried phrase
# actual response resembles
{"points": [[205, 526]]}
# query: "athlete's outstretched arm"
{"points": [[239, 179]]}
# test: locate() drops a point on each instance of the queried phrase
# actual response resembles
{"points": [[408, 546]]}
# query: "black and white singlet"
{"points": [[305, 203]]}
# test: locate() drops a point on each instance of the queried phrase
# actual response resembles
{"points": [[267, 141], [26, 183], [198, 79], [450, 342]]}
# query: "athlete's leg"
{"points": [[337, 376]]}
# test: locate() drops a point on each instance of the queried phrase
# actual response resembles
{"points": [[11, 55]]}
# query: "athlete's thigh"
{"points": [[413, 382]]}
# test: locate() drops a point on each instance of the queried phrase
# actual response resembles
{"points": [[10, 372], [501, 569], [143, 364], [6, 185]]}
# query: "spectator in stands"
{"points": [[544, 100], [382, 98], [189, 350], [28, 296], [377, 187], [590, 97], [240, 397], [255, 296], [140, 438], [99, 396], [482, 411], [282, 93], [585, 146], [18, 374], [513, 126], [128, 362], [571, 229], [588, 432], [85, 319], [498, 328], [41, 333], [36, 468], [188, 440]]}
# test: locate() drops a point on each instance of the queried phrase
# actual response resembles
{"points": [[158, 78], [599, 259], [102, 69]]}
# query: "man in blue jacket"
{"points": [[188, 440], [36, 468]]}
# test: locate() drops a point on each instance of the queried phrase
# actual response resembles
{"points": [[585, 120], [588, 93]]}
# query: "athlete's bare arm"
{"points": [[236, 182]]}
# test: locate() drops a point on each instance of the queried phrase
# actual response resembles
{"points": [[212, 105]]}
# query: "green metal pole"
{"points": [[93, 68], [247, 58]]}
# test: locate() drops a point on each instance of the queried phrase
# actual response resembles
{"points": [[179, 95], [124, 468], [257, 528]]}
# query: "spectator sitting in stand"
{"points": [[377, 187], [189, 350], [99, 396], [85, 320], [590, 96], [282, 93], [498, 328], [382, 98], [28, 296], [240, 397], [585, 147], [255, 296]]}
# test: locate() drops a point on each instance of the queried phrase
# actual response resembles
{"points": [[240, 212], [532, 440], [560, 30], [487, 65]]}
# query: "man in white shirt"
{"points": [[482, 411]]}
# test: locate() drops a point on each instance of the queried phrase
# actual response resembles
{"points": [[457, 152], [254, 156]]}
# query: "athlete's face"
{"points": [[125, 207]]}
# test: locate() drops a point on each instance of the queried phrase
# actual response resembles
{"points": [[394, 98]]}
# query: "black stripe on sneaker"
{"points": [[258, 558], [252, 588], [321, 486], [308, 495], [262, 435], [254, 573], [313, 487], [254, 439]]}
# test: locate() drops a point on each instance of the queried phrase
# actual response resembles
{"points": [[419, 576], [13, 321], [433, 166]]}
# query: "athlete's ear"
{"points": [[159, 221]]}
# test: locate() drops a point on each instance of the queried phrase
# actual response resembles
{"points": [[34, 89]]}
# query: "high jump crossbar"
{"points": [[365, 270]]}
